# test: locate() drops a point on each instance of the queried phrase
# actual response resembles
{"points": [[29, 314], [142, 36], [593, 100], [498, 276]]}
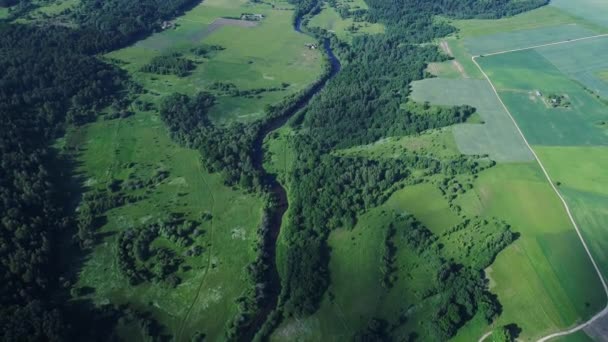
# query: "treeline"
{"points": [[39, 92], [173, 64]]}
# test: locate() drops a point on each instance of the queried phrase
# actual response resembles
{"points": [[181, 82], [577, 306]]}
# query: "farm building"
{"points": [[252, 16]]}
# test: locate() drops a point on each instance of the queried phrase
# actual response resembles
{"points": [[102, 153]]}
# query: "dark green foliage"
{"points": [[139, 262], [173, 64], [387, 262]]}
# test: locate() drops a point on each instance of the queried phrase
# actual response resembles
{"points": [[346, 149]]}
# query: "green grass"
{"points": [[582, 61], [518, 76], [279, 153], [497, 137], [3, 12], [591, 10], [436, 143], [264, 56], [545, 16], [525, 38], [345, 29], [583, 182], [579, 336], [539, 278], [141, 142]]}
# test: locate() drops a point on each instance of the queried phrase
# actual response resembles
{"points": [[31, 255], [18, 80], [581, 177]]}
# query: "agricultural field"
{"points": [[269, 69], [344, 28], [556, 94], [591, 10], [496, 136], [498, 42]]}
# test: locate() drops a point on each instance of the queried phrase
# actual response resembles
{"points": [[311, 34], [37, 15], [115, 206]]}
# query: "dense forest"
{"points": [[41, 93]]}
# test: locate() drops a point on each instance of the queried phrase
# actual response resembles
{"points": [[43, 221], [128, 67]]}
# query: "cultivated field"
{"points": [[569, 138], [592, 10], [524, 38], [496, 137]]}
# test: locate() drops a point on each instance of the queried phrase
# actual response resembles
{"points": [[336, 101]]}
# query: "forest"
{"points": [[42, 93]]}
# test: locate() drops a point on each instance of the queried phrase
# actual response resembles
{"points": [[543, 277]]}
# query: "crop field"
{"points": [[569, 136], [582, 61], [592, 10], [547, 16], [519, 76], [581, 174], [137, 147], [259, 56], [524, 38], [345, 29], [496, 137]]}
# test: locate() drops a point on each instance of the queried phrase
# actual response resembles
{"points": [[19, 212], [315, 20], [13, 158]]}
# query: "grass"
{"points": [[264, 56], [545, 16], [436, 143], [579, 336], [591, 10], [345, 29], [3, 12], [525, 38], [497, 137], [267, 55], [580, 172], [518, 76], [141, 141], [538, 278], [279, 153], [582, 62]]}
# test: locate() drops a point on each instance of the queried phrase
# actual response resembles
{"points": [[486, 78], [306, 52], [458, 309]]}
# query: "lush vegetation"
{"points": [[68, 85]]}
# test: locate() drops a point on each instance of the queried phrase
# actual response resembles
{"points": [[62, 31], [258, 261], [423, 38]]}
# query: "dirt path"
{"points": [[209, 251], [460, 68], [604, 312], [446, 48]]}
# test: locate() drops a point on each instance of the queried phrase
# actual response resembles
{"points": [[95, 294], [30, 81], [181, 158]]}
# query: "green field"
{"points": [[270, 54], [525, 38], [545, 16], [582, 61], [592, 10], [518, 76], [583, 182], [264, 56], [215, 278], [345, 29], [3, 12], [541, 294], [496, 137]]}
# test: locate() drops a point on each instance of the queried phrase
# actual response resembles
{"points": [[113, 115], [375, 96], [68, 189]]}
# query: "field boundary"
{"points": [[537, 46], [553, 186]]}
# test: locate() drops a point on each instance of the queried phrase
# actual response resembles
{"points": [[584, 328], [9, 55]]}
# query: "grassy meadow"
{"points": [[117, 150], [345, 29], [268, 55]]}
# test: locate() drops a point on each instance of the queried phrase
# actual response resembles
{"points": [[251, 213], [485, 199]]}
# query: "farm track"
{"points": [[604, 312], [207, 268]]}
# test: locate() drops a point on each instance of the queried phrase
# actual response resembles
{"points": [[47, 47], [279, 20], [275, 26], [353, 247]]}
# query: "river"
{"points": [[277, 190]]}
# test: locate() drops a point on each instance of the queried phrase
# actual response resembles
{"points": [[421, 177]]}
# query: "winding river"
{"points": [[277, 190]]}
